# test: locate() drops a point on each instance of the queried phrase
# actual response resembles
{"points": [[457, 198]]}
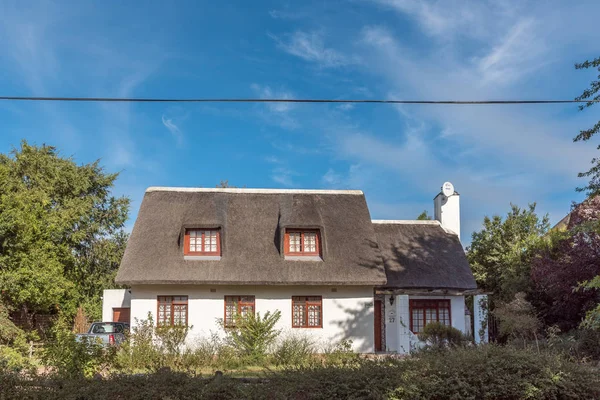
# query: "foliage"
{"points": [[294, 350], [518, 318], [253, 334], [500, 254], [424, 216], [592, 316], [224, 184], [61, 234], [592, 93], [579, 345], [558, 271], [72, 358], [341, 354], [138, 351], [482, 372], [438, 336], [172, 338], [13, 344]]}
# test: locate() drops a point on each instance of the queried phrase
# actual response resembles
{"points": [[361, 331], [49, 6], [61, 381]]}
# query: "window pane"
{"points": [[444, 316], [430, 315], [295, 242], [314, 315], [310, 242], [180, 314], [417, 320], [164, 314], [298, 311], [210, 241], [230, 310]]}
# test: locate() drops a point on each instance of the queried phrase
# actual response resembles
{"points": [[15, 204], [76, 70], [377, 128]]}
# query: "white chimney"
{"points": [[446, 207]]}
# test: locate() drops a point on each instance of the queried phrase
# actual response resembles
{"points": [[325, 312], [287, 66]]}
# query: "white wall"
{"points": [[114, 298], [347, 313]]}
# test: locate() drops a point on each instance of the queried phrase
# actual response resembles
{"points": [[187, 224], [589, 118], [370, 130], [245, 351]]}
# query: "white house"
{"points": [[197, 256]]}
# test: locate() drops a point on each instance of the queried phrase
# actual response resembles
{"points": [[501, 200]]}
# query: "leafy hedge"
{"points": [[488, 372]]}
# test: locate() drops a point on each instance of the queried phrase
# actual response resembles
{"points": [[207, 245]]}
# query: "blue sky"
{"points": [[399, 156]]}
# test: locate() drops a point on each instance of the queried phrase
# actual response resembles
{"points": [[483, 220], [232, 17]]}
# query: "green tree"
{"points": [[61, 230], [592, 317], [500, 253], [591, 95], [424, 216]]}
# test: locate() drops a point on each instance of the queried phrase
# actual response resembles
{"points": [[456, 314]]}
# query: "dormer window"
{"points": [[202, 242], [302, 242]]}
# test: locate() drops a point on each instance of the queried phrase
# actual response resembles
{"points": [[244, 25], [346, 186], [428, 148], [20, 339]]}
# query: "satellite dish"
{"points": [[448, 189]]}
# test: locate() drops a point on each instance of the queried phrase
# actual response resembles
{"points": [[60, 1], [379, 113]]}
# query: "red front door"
{"points": [[377, 310]]}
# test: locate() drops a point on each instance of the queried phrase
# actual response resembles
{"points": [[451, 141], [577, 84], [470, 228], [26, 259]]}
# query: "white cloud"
{"points": [[174, 129], [345, 106], [331, 178], [277, 113], [266, 92], [441, 18], [310, 47], [519, 52], [281, 14], [515, 132], [284, 176]]}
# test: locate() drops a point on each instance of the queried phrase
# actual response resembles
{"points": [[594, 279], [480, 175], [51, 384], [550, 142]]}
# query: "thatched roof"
{"points": [[421, 254], [252, 222]]}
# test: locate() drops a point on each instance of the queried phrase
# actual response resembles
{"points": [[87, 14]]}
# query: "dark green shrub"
{"points": [[438, 335], [588, 343]]}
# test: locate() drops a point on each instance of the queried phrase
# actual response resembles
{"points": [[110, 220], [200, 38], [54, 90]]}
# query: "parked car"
{"points": [[106, 333]]}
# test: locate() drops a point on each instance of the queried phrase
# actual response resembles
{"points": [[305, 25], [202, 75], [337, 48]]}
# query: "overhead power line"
{"points": [[251, 100]]}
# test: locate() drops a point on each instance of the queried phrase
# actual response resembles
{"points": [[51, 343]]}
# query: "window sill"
{"points": [[307, 327], [303, 258], [202, 258]]}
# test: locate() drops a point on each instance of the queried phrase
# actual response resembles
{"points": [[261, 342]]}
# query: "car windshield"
{"points": [[107, 328]]}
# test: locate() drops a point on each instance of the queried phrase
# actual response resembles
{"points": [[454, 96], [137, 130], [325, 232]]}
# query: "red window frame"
{"points": [[186, 242], [425, 305], [302, 232], [304, 303], [171, 302], [240, 301]]}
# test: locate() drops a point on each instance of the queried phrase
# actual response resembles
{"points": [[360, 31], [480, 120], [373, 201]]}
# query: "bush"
{"points": [[438, 335], [294, 350], [518, 319], [482, 372], [150, 348], [253, 335], [13, 344], [72, 358], [341, 354], [171, 339], [13, 360]]}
